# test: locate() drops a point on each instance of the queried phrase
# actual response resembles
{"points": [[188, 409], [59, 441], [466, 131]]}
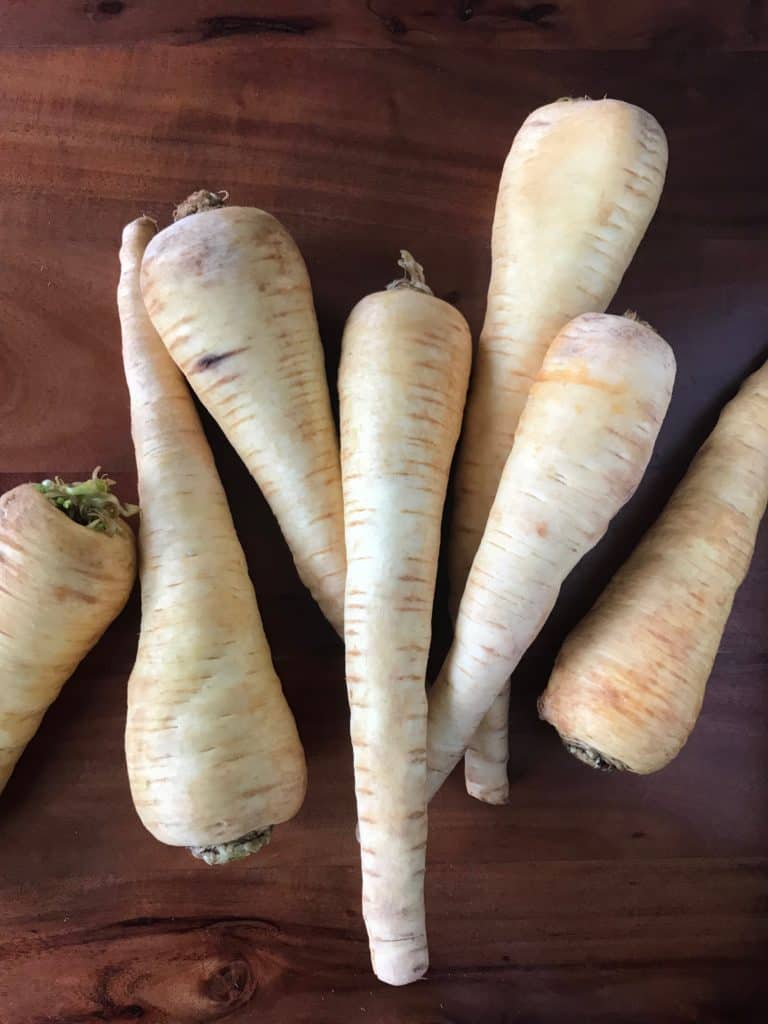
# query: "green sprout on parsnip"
{"points": [[90, 503]]}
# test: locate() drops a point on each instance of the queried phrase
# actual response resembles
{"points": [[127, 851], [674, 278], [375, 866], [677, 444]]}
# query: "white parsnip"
{"points": [[214, 758], [228, 292], [67, 566], [402, 385], [580, 450], [629, 682], [578, 190]]}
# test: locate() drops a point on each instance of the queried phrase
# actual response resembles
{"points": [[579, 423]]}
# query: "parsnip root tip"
{"points": [[497, 797], [199, 202], [413, 275], [237, 849]]}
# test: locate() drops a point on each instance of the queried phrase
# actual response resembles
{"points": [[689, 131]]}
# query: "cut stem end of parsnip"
{"points": [[237, 849], [90, 503], [413, 275], [199, 202], [589, 756]]}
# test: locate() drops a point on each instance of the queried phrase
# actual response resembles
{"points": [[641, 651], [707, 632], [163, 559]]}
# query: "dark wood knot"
{"points": [[220, 26], [231, 986]]}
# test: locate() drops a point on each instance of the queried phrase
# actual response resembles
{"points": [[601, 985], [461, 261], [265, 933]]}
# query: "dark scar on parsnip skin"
{"points": [[205, 362]]}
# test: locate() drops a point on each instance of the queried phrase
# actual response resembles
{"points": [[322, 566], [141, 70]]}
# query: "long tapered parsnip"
{"points": [[580, 450], [228, 292], [61, 584], [214, 759], [402, 385], [629, 682], [578, 190]]}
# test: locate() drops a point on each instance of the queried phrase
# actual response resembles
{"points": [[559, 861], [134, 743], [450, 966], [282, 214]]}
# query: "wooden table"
{"points": [[367, 127]]}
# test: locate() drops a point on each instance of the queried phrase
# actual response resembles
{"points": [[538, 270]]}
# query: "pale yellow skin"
{"points": [[581, 448], [629, 682], [578, 190], [402, 385], [61, 585], [212, 748], [229, 294]]}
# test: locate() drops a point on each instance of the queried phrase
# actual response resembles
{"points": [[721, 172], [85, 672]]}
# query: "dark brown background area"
{"points": [[366, 127]]}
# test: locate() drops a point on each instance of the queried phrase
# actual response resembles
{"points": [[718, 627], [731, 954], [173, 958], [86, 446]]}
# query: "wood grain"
{"points": [[591, 898], [490, 24]]}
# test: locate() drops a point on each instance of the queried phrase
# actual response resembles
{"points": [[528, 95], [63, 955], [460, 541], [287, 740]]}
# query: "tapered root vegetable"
{"points": [[629, 682], [486, 758], [214, 759], [67, 565], [402, 385], [581, 448], [228, 292], [578, 190]]}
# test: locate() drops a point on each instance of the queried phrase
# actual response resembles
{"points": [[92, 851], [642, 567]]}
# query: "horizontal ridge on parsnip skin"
{"points": [[228, 292], [61, 585], [214, 758], [582, 445], [628, 684], [578, 190], [402, 385]]}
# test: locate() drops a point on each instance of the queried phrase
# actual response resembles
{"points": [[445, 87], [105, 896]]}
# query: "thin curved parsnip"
{"points": [[580, 451], [402, 385], [61, 584], [214, 758], [628, 684], [228, 292], [578, 190]]}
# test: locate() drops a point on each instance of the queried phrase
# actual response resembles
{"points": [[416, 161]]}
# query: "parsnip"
{"points": [[67, 565], [629, 682], [402, 385], [578, 190], [580, 450], [214, 758], [228, 292]]}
